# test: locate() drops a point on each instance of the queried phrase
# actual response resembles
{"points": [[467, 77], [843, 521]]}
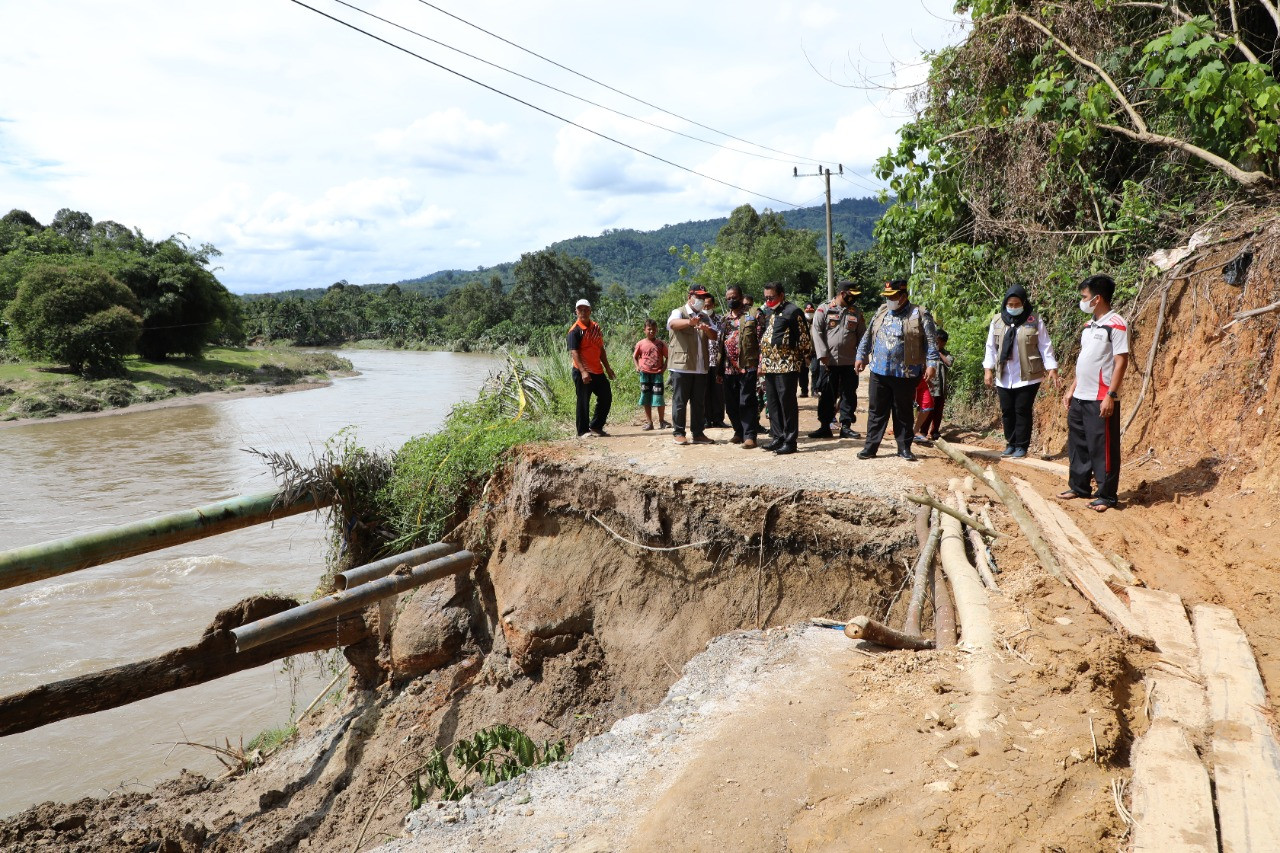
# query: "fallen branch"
{"points": [[1016, 508], [866, 628], [944, 611], [922, 573], [764, 528], [979, 552], [1245, 315], [954, 513], [1151, 359]]}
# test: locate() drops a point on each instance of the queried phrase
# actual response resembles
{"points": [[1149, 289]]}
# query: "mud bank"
{"points": [[578, 618]]}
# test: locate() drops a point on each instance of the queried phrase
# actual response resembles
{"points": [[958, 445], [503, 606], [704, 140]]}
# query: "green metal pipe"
{"points": [[49, 559]]}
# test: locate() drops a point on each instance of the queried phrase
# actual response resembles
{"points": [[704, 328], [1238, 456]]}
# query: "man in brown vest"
{"points": [[689, 362]]}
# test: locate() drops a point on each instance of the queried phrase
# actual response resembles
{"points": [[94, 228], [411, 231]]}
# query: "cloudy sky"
{"points": [[308, 152]]}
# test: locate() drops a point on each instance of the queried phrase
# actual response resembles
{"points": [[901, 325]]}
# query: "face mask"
{"points": [[895, 304], [1015, 312], [808, 315], [1086, 305], [699, 304], [773, 303], [734, 304]]}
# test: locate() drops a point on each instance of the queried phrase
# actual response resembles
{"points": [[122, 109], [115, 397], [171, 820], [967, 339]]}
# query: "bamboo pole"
{"points": [[924, 500], [382, 568], [1016, 508], [923, 571], [213, 657], [49, 559], [331, 606]]}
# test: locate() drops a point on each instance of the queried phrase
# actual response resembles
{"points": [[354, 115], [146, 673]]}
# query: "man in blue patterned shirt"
{"points": [[900, 343]]}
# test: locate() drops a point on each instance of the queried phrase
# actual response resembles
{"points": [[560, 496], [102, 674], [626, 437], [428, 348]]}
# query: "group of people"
{"points": [[724, 365]]}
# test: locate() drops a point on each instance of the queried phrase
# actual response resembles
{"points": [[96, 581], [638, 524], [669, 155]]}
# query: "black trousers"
{"points": [[837, 380], [891, 396], [1093, 445], [804, 376], [688, 389], [598, 384], [714, 405], [784, 411], [740, 401], [1016, 405]]}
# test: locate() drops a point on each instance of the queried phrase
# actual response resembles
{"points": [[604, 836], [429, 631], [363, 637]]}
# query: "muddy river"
{"points": [[76, 476]]}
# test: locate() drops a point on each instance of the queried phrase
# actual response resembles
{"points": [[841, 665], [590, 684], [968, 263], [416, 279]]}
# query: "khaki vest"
{"points": [[684, 345], [1026, 346], [914, 345]]}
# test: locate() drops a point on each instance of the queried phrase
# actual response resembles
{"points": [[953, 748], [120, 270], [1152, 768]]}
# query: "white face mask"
{"points": [[1086, 305], [699, 304], [895, 304], [1015, 312]]}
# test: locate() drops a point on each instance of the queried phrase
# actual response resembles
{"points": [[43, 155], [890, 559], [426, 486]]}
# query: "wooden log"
{"points": [[989, 455], [944, 611], [1016, 508], [1085, 578], [976, 632], [979, 550], [1246, 757], [1172, 801], [920, 578], [213, 657], [924, 500], [865, 628]]}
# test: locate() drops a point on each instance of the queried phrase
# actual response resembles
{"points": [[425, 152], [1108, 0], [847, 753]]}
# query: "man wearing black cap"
{"points": [[837, 330], [899, 345], [785, 348], [689, 360]]}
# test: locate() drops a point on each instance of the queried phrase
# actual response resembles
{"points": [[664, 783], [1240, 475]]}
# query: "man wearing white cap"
{"points": [[590, 367]]}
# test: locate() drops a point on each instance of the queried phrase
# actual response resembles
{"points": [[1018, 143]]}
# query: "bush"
{"points": [[76, 315]]}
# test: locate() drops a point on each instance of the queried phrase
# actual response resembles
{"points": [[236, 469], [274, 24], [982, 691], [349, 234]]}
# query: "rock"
{"points": [[428, 632], [66, 823]]}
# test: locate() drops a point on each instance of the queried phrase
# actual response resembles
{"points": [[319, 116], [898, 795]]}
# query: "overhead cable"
{"points": [[532, 106]]}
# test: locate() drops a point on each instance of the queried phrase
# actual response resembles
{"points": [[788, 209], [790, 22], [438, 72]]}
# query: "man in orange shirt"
{"points": [[590, 367]]}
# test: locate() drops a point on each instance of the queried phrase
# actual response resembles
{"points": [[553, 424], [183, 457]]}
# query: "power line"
{"points": [[611, 88], [537, 82], [546, 112]]}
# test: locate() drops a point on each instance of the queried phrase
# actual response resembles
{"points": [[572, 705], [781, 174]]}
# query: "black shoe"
{"points": [[846, 432], [822, 432], [907, 455], [775, 444], [785, 450], [1008, 450], [866, 454], [804, 394]]}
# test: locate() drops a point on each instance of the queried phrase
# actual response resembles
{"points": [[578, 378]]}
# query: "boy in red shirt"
{"points": [[650, 357]]}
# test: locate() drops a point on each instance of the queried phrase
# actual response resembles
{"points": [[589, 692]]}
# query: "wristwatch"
{"points": [[1113, 395]]}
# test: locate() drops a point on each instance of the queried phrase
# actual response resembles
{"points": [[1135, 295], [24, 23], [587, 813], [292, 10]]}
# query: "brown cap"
{"points": [[893, 288]]}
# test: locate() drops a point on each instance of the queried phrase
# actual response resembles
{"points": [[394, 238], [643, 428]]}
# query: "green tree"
{"points": [[549, 283], [76, 315]]}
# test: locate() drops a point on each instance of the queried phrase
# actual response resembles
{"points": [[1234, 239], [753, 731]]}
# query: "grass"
{"points": [[36, 389], [267, 742]]}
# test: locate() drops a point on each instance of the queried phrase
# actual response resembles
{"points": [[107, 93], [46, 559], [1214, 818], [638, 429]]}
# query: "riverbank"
{"points": [[33, 392]]}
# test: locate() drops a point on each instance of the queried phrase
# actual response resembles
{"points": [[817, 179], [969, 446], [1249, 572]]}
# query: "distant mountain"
{"points": [[640, 260]]}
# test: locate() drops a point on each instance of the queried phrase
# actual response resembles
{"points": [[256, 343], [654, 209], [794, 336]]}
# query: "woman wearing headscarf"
{"points": [[1019, 357]]}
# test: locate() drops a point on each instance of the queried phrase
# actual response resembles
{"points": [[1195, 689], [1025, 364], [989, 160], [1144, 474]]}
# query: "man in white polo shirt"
{"points": [[1093, 403]]}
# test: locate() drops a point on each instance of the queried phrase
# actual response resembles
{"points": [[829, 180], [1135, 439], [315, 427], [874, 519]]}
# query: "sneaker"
{"points": [[749, 444], [1018, 453], [680, 439], [1008, 451], [846, 432], [821, 432]]}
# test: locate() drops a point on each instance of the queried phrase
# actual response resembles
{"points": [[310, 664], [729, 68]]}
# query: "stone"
{"points": [[429, 631]]}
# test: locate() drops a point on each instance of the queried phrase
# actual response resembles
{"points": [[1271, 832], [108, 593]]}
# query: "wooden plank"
{"points": [[1174, 685], [1072, 538], [1172, 801], [1080, 571], [1245, 754]]}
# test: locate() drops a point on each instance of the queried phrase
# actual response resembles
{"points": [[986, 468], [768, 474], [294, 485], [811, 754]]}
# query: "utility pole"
{"points": [[831, 270]]}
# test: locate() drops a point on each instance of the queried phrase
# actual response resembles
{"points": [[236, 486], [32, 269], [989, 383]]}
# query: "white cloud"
{"points": [[450, 140]]}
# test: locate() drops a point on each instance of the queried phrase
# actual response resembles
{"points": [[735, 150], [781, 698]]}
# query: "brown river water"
{"points": [[59, 478]]}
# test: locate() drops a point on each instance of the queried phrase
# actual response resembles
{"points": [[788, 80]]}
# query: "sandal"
{"points": [[1070, 495], [1100, 505], [664, 425], [647, 427]]}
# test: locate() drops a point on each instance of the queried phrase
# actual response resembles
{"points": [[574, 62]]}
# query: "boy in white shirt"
{"points": [[1093, 403]]}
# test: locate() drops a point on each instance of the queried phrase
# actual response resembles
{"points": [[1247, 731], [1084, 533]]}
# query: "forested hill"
{"points": [[640, 260]]}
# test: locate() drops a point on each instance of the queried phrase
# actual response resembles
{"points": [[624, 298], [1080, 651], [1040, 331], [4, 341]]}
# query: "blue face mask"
{"points": [[1015, 312]]}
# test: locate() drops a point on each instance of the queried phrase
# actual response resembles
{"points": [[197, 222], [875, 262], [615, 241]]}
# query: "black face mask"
{"points": [[734, 304]]}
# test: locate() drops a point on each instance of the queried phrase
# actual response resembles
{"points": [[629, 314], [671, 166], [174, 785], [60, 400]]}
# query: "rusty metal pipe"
{"points": [[32, 563], [382, 568], [332, 606]]}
